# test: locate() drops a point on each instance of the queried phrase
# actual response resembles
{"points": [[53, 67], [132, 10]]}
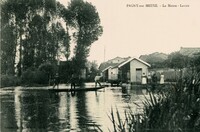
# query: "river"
{"points": [[37, 109]]}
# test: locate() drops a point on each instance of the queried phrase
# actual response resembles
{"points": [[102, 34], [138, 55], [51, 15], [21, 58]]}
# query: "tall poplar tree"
{"points": [[30, 34], [84, 18]]}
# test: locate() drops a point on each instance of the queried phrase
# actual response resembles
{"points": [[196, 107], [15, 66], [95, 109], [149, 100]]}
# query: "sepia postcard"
{"points": [[100, 65]]}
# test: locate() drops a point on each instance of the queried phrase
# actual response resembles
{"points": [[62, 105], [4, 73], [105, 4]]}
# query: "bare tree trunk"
{"points": [[20, 53]]}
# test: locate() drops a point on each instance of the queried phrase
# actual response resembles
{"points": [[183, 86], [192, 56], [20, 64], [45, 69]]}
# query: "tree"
{"points": [[8, 49], [8, 38], [32, 35], [177, 61], [83, 17], [195, 62], [29, 30], [92, 69]]}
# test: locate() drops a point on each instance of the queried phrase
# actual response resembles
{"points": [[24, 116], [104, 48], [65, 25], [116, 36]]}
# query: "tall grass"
{"points": [[175, 110]]}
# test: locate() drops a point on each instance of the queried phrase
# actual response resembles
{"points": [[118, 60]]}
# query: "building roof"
{"points": [[111, 63], [104, 66], [189, 51], [129, 60]]}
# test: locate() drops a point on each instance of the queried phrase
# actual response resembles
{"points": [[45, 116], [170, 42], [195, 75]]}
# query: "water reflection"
{"points": [[7, 113], [41, 110]]}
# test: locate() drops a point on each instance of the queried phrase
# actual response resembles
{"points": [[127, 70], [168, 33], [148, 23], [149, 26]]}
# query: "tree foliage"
{"points": [[37, 32], [177, 60], [195, 62], [85, 19], [29, 34], [92, 70]]}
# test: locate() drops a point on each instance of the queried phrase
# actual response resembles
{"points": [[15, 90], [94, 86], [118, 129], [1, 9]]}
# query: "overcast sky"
{"points": [[134, 31]]}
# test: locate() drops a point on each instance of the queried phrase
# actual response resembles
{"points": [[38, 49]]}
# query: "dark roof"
{"points": [[109, 63], [121, 63], [105, 65]]}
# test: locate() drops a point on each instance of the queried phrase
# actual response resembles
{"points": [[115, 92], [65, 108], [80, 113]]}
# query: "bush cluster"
{"points": [[9, 80], [43, 75], [33, 77]]}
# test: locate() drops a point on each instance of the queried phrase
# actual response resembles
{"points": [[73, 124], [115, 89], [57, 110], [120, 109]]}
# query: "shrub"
{"points": [[48, 69], [27, 77], [40, 77], [9, 80], [33, 77]]}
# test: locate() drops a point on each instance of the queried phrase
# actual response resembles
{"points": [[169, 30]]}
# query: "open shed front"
{"points": [[106, 73], [124, 73]]}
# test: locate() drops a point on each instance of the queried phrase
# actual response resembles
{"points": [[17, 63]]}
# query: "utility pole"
{"points": [[104, 53]]}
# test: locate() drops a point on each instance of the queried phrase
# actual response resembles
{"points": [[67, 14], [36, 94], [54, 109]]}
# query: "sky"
{"points": [[134, 31]]}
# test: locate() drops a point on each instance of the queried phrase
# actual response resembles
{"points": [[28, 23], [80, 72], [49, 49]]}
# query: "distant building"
{"points": [[128, 69], [106, 67], [189, 51]]}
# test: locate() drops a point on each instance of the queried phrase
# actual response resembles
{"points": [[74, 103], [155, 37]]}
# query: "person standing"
{"points": [[162, 78], [56, 81], [73, 81], [154, 81], [97, 80], [149, 78], [144, 79]]}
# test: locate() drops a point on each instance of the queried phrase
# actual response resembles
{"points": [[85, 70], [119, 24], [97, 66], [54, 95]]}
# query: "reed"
{"points": [[175, 110]]}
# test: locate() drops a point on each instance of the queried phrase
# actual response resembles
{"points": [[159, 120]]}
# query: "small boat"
{"points": [[77, 89]]}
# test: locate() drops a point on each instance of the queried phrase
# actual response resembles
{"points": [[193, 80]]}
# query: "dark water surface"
{"points": [[37, 109]]}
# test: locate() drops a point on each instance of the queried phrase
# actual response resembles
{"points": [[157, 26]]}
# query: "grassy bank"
{"points": [[28, 78]]}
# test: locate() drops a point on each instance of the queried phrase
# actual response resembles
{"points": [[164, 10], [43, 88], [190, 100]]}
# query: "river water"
{"points": [[37, 109]]}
